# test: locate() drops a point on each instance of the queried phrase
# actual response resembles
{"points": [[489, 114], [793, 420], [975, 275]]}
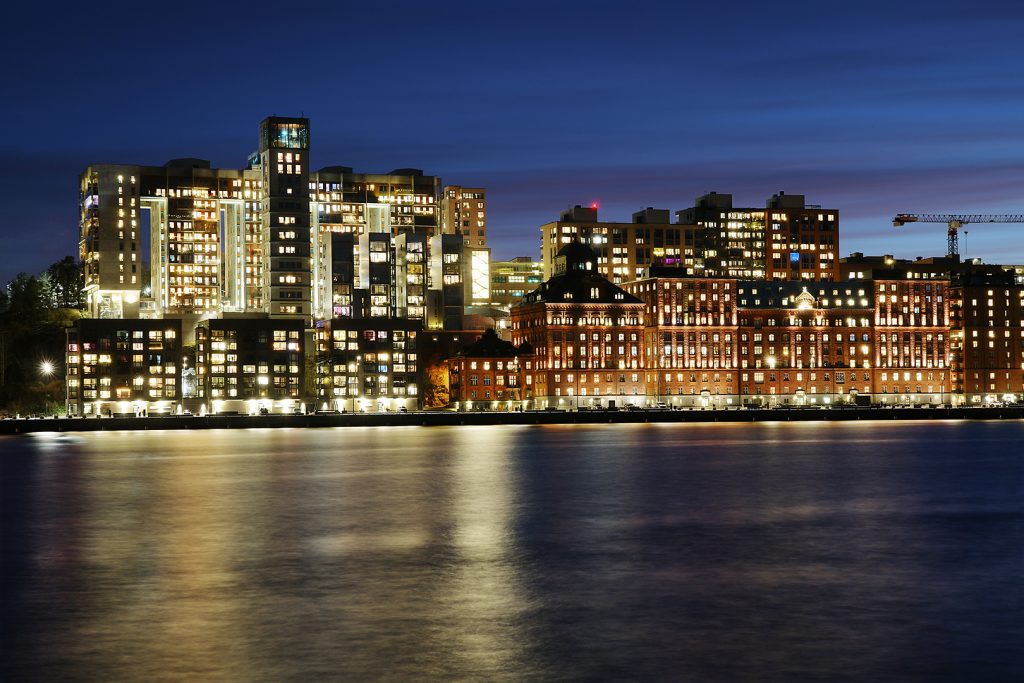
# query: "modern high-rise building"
{"points": [[284, 165], [788, 239], [110, 238], [624, 251], [259, 239], [181, 209], [334, 277], [447, 272], [403, 200], [464, 212], [511, 280], [411, 275]]}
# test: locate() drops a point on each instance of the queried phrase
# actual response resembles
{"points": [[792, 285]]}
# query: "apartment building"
{"points": [[250, 363], [623, 251], [180, 209], [254, 239], [285, 213], [366, 364], [512, 280], [988, 329], [787, 240], [464, 212], [125, 367]]}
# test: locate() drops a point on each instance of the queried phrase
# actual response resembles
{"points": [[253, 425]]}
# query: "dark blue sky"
{"points": [[871, 108]]}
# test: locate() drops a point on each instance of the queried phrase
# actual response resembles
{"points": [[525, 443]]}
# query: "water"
{"points": [[822, 551]]}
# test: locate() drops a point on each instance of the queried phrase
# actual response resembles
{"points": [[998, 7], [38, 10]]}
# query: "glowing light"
{"points": [[46, 367]]}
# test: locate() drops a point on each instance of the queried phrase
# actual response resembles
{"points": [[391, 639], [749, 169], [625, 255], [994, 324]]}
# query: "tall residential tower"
{"points": [[284, 163]]}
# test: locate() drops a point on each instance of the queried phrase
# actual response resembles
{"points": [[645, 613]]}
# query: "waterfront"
{"points": [[769, 551], [438, 418]]}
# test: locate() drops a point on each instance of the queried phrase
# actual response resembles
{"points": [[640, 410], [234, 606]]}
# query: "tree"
{"points": [[28, 299], [65, 281], [34, 314]]}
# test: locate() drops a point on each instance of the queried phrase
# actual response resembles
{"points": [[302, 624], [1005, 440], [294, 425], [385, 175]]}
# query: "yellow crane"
{"points": [[955, 221]]}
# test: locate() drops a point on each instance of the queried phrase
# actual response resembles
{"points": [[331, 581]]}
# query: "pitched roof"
{"points": [[491, 346]]}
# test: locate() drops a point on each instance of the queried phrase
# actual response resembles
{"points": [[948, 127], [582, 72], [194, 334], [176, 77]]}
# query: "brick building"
{"points": [[586, 334], [989, 334], [489, 374]]}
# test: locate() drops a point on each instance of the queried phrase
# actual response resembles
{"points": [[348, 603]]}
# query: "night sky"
{"points": [[870, 108]]}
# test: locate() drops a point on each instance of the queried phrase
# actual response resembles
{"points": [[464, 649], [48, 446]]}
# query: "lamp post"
{"points": [[46, 372]]}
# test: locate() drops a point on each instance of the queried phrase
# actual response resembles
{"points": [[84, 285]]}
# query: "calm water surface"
{"points": [[843, 551]]}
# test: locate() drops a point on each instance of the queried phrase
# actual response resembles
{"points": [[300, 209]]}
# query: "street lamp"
{"points": [[46, 369]]}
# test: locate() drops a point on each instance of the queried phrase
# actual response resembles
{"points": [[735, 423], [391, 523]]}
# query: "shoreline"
{"points": [[545, 417]]}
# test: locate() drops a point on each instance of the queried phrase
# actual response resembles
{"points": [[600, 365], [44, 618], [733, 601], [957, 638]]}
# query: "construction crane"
{"points": [[955, 221]]}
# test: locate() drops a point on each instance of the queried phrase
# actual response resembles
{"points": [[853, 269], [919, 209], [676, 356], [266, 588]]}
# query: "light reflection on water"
{"points": [[839, 551]]}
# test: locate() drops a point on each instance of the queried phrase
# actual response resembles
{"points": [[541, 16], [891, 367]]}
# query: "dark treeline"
{"points": [[35, 310]]}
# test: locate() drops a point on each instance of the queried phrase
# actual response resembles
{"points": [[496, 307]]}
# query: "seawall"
{"points": [[444, 418]]}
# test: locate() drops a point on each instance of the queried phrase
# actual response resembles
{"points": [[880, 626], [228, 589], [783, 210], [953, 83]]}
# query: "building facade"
{"points": [[725, 306], [719, 342], [464, 212], [256, 239], [512, 280], [367, 365], [586, 334], [250, 363], [124, 367], [988, 335], [623, 251], [489, 374], [787, 240], [285, 213]]}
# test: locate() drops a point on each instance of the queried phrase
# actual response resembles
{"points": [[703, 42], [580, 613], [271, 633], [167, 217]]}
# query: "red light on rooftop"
{"points": [[593, 205]]}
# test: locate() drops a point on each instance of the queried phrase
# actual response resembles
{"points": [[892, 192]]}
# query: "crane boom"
{"points": [[954, 221]]}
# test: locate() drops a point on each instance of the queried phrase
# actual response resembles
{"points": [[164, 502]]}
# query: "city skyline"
{"points": [[512, 340], [867, 112]]}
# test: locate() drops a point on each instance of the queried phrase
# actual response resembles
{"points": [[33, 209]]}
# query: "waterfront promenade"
{"points": [[553, 417]]}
